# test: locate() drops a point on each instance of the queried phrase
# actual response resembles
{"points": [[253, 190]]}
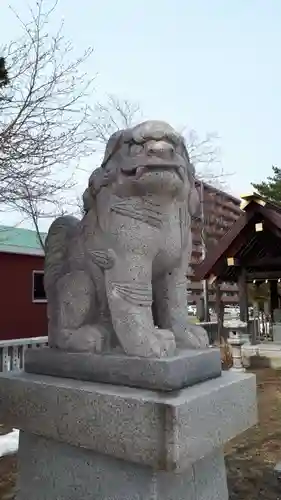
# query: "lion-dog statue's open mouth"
{"points": [[117, 278]]}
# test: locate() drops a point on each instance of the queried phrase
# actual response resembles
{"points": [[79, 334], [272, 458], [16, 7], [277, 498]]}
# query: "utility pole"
{"points": [[204, 251]]}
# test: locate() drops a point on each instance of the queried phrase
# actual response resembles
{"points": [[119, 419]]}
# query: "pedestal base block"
{"points": [[50, 470]]}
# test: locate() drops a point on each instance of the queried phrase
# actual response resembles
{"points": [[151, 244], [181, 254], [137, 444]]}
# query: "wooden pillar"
{"points": [[206, 301], [200, 309], [243, 295], [273, 297], [219, 310], [255, 334]]}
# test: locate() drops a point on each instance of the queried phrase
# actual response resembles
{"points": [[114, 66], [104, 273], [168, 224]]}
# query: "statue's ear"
{"points": [[87, 200], [194, 201], [194, 195], [112, 146], [97, 180]]}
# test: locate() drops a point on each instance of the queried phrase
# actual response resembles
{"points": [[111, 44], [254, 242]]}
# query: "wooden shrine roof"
{"points": [[253, 243]]}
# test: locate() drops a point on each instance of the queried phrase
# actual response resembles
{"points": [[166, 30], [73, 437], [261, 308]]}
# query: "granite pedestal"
{"points": [[184, 369], [83, 440]]}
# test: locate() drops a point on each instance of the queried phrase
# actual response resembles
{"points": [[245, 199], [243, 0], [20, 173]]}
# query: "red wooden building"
{"points": [[22, 296]]}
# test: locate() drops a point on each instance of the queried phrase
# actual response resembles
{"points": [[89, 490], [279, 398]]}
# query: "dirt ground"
{"points": [[8, 471], [250, 458]]}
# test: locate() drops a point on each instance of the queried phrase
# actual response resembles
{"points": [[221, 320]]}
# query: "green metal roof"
{"points": [[21, 241]]}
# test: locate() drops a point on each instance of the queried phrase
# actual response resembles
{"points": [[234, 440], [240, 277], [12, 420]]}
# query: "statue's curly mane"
{"points": [[107, 173]]}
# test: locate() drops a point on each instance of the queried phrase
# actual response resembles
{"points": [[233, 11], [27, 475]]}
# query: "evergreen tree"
{"points": [[271, 188], [4, 80]]}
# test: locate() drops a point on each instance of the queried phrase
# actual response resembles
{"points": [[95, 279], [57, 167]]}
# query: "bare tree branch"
{"points": [[115, 114], [4, 79], [44, 116], [205, 156], [203, 152], [46, 123]]}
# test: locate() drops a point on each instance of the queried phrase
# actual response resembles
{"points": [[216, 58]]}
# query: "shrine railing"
{"points": [[12, 352]]}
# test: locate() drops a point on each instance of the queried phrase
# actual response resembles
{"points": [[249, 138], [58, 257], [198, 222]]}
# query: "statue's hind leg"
{"points": [[78, 328]]}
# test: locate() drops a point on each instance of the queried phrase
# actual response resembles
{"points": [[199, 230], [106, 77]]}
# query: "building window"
{"points": [[38, 290]]}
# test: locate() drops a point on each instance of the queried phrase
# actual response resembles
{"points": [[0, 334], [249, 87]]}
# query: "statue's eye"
{"points": [[136, 149]]}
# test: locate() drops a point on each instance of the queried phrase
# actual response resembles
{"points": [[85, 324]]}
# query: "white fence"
{"points": [[12, 352]]}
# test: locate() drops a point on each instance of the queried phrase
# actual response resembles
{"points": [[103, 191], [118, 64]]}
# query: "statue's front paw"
{"points": [[152, 343], [87, 338], [201, 335], [167, 341], [190, 336]]}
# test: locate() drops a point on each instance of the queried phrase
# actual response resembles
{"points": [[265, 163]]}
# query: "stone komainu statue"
{"points": [[131, 249]]}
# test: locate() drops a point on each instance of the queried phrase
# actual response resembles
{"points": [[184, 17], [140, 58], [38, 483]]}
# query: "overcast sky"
{"points": [[213, 65]]}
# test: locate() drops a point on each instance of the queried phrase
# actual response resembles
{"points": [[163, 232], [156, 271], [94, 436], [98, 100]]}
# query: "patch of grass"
{"points": [[226, 353], [8, 475]]}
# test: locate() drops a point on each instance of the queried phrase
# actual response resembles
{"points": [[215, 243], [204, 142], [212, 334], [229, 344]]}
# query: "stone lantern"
{"points": [[236, 340]]}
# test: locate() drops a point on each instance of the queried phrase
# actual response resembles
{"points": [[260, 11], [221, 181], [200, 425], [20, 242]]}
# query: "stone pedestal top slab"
{"points": [[186, 368], [166, 431]]}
